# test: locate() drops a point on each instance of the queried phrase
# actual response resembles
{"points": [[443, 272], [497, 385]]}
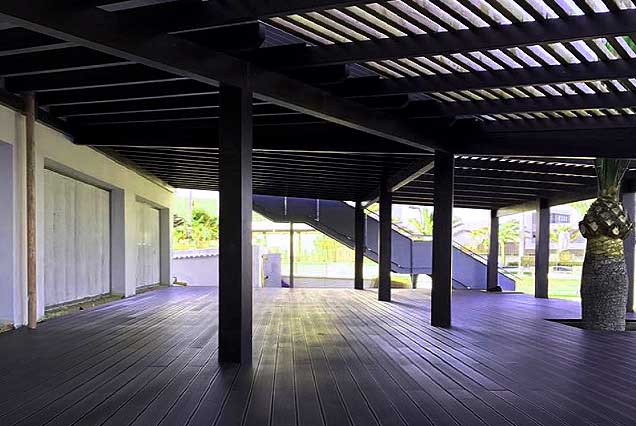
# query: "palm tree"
{"points": [[605, 225], [508, 233], [480, 237], [556, 235], [581, 207], [424, 224], [198, 231]]}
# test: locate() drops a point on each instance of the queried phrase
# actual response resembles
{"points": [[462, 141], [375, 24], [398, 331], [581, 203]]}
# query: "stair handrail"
{"points": [[470, 252], [407, 234], [346, 237], [309, 220], [484, 259], [367, 249], [459, 246], [402, 230]]}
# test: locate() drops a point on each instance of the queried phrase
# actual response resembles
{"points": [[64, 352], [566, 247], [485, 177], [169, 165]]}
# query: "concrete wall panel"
{"points": [[7, 247], [77, 240]]}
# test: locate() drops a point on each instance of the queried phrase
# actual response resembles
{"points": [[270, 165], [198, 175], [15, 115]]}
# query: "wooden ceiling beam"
{"points": [[130, 40], [323, 138], [120, 74], [176, 112], [468, 182], [514, 176], [147, 91], [403, 177], [611, 137], [55, 60], [196, 15]]}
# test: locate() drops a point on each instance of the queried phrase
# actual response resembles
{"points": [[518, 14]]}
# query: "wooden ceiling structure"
{"points": [[524, 92]]}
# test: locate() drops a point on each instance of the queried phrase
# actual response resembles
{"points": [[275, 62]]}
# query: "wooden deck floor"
{"points": [[333, 357]]}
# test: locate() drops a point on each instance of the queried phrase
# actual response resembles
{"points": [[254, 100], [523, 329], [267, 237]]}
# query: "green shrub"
{"points": [[394, 283]]}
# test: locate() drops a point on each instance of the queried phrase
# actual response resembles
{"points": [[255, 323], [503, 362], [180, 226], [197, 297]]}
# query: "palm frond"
{"points": [[610, 172]]}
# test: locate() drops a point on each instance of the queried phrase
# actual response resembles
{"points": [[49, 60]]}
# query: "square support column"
{"points": [[291, 254], [235, 225], [384, 286], [493, 252], [542, 249], [442, 239], [118, 249], [165, 246], [359, 243], [629, 202]]}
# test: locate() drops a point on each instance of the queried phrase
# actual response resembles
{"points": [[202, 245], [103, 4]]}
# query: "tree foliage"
{"points": [[481, 238], [509, 232], [609, 172], [199, 231], [423, 225]]}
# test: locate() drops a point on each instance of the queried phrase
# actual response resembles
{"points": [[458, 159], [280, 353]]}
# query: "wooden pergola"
{"points": [[497, 105]]}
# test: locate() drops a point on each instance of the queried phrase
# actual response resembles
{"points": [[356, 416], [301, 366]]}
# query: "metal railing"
{"points": [[405, 232], [481, 258], [348, 240]]}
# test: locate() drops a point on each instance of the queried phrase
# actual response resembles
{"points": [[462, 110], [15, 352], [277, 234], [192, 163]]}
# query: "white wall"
{"points": [[56, 152], [76, 240], [7, 251], [197, 270], [201, 267]]}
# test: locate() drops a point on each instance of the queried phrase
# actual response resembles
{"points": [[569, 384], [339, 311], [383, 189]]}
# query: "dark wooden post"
{"points": [[235, 225], [629, 202], [359, 243], [32, 293], [442, 239], [291, 254], [413, 275], [384, 285], [493, 251], [542, 249]]}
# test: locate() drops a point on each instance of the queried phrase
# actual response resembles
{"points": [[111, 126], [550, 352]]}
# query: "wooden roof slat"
{"points": [[463, 41], [616, 69], [536, 104]]}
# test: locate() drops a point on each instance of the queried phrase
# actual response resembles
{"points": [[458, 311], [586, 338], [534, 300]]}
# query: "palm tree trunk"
{"points": [[604, 285], [605, 225]]}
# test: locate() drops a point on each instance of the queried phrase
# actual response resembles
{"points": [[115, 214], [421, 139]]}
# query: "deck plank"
{"points": [[320, 357]]}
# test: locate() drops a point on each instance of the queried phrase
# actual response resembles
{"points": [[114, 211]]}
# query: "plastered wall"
{"points": [[56, 152]]}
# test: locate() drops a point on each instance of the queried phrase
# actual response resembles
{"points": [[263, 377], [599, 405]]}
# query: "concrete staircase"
{"points": [[409, 256]]}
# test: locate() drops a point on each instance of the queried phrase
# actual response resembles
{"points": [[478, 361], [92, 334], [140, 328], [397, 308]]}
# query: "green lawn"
{"points": [[561, 287]]}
